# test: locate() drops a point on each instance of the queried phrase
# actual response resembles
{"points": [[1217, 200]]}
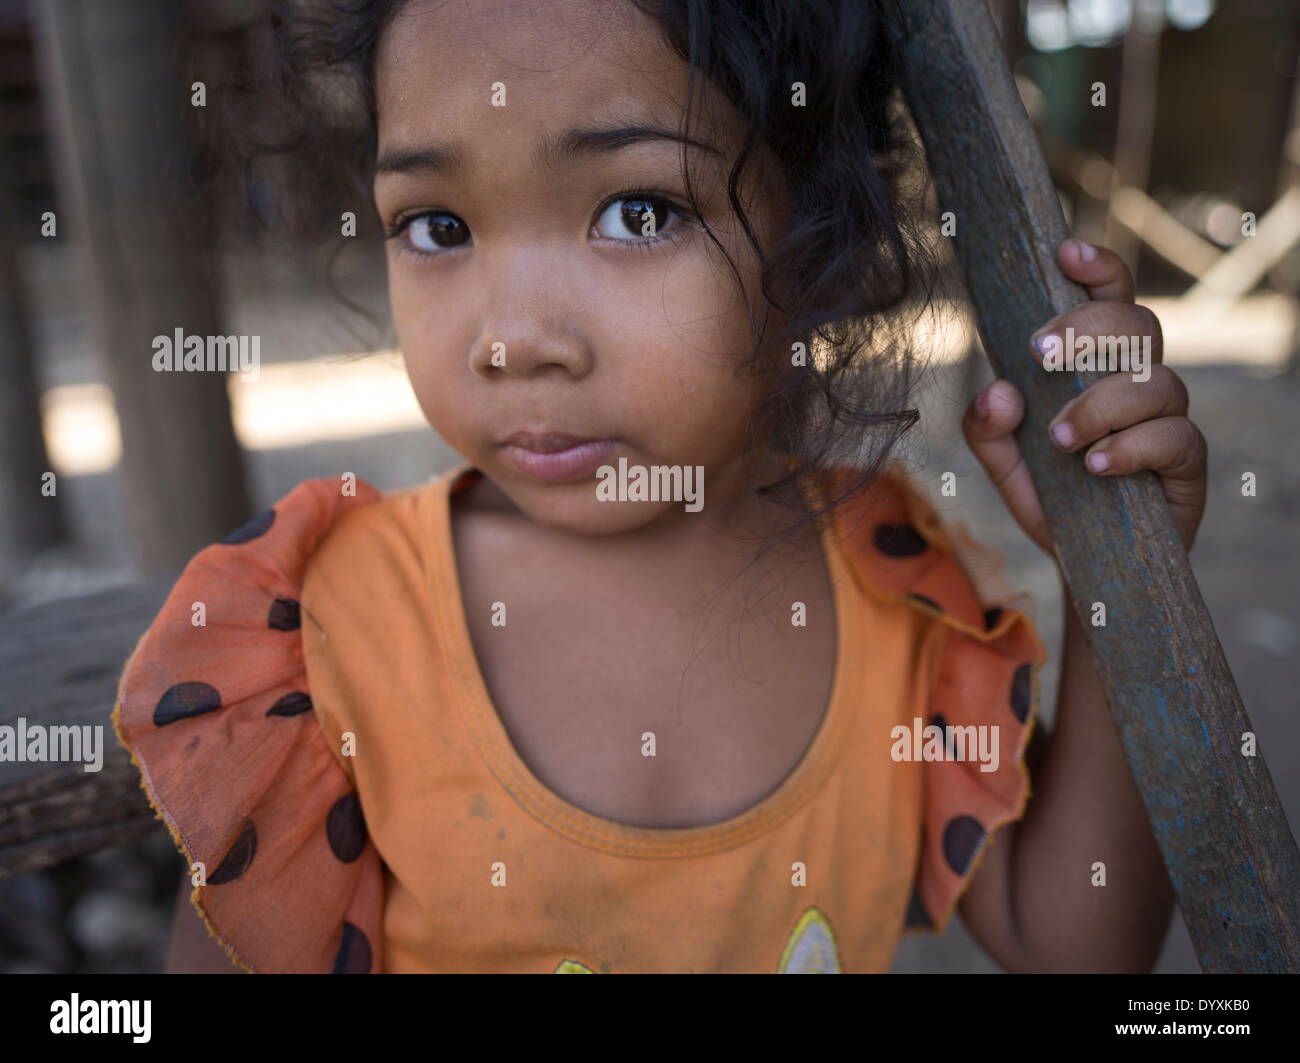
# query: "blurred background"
{"points": [[114, 228]]}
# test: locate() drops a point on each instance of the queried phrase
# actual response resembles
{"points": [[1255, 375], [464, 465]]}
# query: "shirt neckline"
{"points": [[575, 823]]}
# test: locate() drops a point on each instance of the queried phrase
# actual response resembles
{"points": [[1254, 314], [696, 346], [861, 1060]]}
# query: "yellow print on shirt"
{"points": [[810, 950]]}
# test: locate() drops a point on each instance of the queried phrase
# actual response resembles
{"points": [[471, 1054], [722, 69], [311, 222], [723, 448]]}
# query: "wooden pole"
{"points": [[1135, 127], [29, 520], [126, 176], [1288, 177], [1215, 813]]}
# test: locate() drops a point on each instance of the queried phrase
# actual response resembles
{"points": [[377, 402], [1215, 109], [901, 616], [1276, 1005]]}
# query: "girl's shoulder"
{"points": [[214, 707], [979, 657], [900, 548]]}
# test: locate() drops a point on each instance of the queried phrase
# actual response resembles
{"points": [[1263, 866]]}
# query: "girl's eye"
{"points": [[636, 217], [433, 232], [632, 218]]}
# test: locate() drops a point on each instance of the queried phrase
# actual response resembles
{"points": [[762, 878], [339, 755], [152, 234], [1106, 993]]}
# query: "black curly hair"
{"points": [[852, 261]]}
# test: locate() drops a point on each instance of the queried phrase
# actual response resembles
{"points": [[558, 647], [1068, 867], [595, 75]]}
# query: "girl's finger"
{"points": [[1116, 402], [988, 426], [1173, 447], [1114, 329], [1098, 269]]}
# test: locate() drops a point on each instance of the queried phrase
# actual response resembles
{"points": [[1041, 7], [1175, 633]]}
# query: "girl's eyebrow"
{"points": [[550, 154]]}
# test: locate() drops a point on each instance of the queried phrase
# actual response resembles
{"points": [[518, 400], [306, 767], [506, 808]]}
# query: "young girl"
{"points": [[673, 673]]}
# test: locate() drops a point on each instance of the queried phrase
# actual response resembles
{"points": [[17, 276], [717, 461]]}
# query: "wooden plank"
{"points": [[59, 666], [1215, 813]]}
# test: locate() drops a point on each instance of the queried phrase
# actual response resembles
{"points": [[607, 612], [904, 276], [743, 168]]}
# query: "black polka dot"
{"points": [[992, 616], [353, 956], [184, 700], [237, 857], [1021, 687], [916, 913], [284, 615], [346, 828], [294, 704], [929, 603], [254, 529], [938, 721], [899, 540], [961, 838]]}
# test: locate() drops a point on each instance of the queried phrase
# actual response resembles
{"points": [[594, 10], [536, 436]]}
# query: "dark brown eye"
{"points": [[637, 217], [638, 213], [436, 232]]}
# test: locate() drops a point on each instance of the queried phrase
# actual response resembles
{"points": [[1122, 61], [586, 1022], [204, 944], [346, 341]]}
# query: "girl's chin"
{"points": [[575, 509]]}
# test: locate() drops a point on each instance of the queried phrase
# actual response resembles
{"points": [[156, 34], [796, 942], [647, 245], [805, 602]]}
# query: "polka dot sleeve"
{"points": [[214, 708], [983, 686]]}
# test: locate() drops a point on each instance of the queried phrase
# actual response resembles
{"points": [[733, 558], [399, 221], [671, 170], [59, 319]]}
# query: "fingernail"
{"points": [[1098, 462], [1087, 252], [1064, 435], [1041, 344]]}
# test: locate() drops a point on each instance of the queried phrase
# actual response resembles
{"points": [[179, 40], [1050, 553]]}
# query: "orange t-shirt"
{"points": [[326, 746]]}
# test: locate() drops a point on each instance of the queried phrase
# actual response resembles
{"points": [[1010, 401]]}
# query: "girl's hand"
{"points": [[1118, 423]]}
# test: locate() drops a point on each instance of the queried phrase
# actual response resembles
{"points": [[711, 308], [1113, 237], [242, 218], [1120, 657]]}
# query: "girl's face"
{"points": [[546, 280]]}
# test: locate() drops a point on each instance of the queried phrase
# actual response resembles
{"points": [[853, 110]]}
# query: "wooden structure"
{"points": [[127, 176], [25, 195], [1215, 813]]}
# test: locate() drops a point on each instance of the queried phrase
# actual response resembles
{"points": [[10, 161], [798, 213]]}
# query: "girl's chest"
{"points": [[642, 706]]}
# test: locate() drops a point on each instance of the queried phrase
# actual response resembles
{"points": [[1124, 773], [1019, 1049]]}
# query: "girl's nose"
{"points": [[515, 350], [529, 327]]}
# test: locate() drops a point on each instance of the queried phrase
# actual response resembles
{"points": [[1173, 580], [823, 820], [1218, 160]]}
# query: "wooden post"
{"points": [[1214, 812], [1288, 178], [29, 520], [119, 104], [1138, 84]]}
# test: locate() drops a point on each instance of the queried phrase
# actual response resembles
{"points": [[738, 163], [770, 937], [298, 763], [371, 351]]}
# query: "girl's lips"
{"points": [[556, 458]]}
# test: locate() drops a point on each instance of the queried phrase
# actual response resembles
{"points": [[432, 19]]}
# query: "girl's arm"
{"points": [[192, 950], [1032, 902]]}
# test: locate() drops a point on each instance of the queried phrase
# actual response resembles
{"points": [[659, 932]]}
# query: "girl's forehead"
{"points": [[458, 64], [522, 33], [510, 40]]}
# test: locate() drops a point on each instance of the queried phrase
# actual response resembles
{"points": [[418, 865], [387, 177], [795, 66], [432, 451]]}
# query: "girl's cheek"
{"points": [[421, 327]]}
